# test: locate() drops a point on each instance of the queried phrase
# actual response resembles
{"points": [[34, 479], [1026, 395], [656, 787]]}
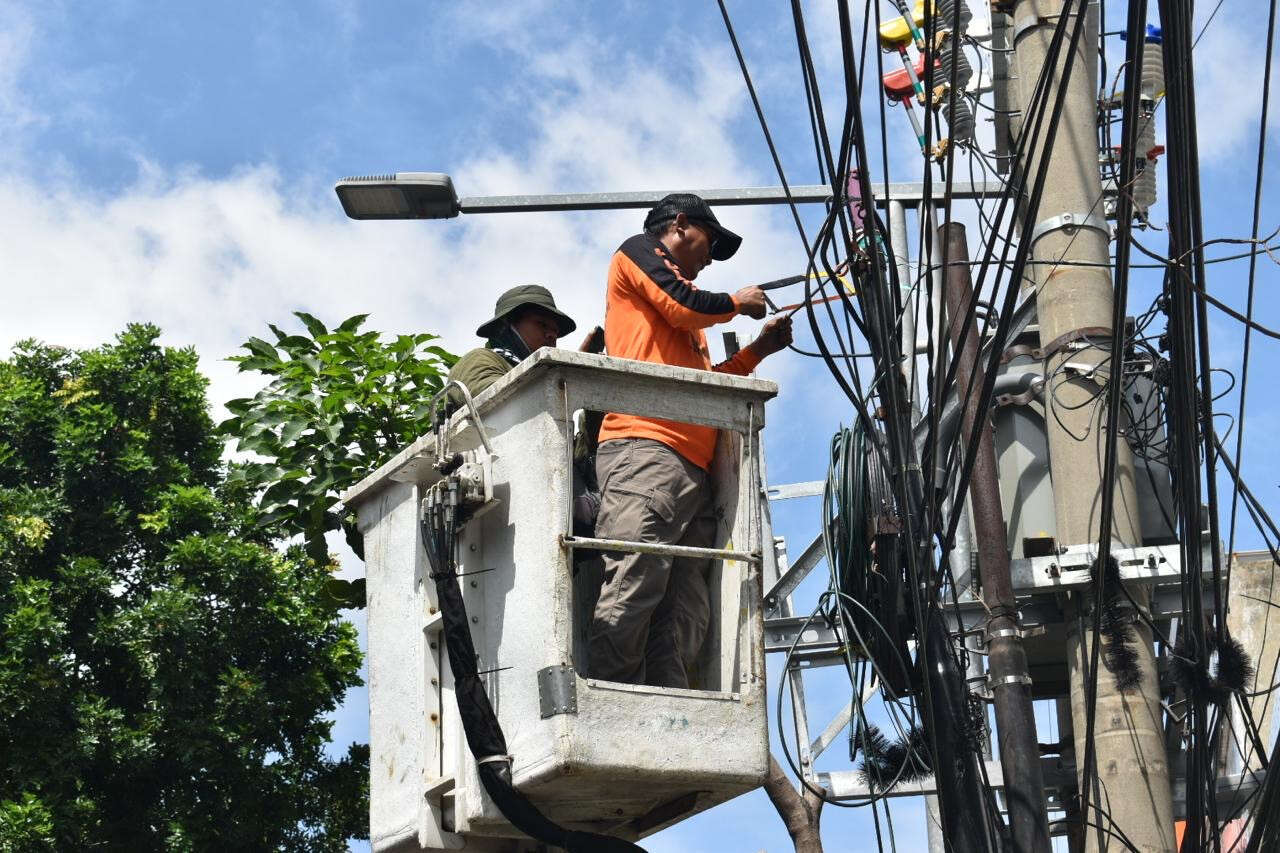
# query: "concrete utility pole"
{"points": [[1074, 304]]}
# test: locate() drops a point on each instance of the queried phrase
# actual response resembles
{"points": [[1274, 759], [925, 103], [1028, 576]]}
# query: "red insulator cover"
{"points": [[897, 84]]}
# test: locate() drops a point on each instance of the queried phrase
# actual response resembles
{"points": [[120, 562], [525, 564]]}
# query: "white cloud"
{"points": [[1228, 68], [211, 261], [17, 115]]}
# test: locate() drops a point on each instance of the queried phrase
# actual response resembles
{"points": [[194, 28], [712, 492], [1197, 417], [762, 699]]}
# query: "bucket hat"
{"points": [[525, 294], [724, 242]]}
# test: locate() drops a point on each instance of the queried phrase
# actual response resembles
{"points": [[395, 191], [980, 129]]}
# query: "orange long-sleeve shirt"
{"points": [[653, 313]]}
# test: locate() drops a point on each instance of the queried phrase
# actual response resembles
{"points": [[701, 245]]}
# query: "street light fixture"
{"points": [[404, 195]]}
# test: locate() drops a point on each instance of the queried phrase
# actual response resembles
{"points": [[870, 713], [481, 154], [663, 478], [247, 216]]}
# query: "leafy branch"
{"points": [[337, 405]]}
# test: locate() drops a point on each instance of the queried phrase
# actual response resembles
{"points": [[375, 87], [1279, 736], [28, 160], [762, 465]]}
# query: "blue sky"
{"points": [[174, 163]]}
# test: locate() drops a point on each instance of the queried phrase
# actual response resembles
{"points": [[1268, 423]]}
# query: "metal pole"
{"points": [[910, 295], [1006, 657], [1074, 304], [933, 824], [908, 193]]}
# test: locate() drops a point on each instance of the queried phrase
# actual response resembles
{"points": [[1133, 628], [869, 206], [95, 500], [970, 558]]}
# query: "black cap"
{"points": [[725, 242]]}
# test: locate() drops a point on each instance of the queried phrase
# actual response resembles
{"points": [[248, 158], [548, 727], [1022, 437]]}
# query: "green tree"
{"points": [[165, 670], [336, 406]]}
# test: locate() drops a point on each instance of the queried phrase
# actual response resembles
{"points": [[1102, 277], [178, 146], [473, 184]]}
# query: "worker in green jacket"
{"points": [[524, 320]]}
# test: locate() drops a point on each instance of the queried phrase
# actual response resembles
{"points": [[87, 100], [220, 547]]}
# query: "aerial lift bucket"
{"points": [[621, 759]]}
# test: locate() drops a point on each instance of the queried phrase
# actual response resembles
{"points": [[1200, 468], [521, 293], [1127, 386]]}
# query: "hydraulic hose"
{"points": [[479, 722]]}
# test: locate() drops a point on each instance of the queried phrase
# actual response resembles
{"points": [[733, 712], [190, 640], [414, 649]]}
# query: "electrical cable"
{"points": [[855, 242], [1253, 261]]}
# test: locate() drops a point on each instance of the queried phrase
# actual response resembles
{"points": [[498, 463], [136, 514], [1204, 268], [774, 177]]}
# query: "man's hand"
{"points": [[751, 302], [776, 335], [594, 341]]}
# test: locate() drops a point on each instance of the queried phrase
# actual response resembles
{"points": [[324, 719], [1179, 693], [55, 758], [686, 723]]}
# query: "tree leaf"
{"points": [[294, 343], [345, 594], [261, 348], [290, 432], [314, 326]]}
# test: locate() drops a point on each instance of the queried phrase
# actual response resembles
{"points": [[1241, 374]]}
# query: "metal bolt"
{"points": [[475, 584], [473, 546], [435, 718], [475, 619]]}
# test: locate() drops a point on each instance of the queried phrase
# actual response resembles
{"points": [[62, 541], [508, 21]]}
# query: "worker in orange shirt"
{"points": [[652, 615]]}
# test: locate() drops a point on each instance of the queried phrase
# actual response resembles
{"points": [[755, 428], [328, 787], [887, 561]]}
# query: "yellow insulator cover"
{"points": [[896, 34]]}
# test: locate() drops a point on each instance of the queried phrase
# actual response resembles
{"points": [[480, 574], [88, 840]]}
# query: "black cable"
{"points": [[1253, 261], [1190, 415], [1206, 24], [1207, 297], [480, 725], [764, 126]]}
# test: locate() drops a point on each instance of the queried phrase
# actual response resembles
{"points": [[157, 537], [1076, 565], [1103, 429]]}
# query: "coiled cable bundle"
{"points": [[860, 533]]}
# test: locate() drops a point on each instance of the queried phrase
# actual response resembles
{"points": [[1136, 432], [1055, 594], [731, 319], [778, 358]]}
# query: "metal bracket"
{"points": [[557, 690], [1071, 221], [1034, 392], [1069, 568], [1087, 372], [795, 490], [792, 577], [470, 409]]}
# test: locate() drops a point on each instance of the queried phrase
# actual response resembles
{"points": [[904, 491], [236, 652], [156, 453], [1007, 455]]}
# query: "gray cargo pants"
{"points": [[652, 615]]}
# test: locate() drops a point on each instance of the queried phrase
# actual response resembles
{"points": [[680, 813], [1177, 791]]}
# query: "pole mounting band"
{"points": [[1071, 221], [1006, 680], [1020, 633], [1084, 334], [1030, 22]]}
